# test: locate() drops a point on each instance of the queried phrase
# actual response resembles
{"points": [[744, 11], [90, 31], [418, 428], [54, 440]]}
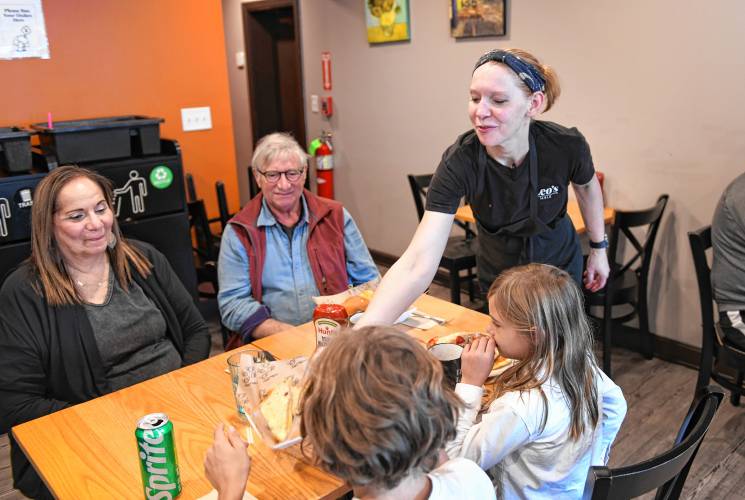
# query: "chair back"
{"points": [[623, 223], [419, 185], [253, 187], [666, 472], [222, 204], [206, 243], [700, 241], [191, 190]]}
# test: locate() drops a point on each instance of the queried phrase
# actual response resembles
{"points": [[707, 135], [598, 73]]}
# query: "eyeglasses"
{"points": [[272, 177]]}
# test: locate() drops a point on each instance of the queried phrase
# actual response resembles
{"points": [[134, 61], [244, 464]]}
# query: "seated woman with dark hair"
{"points": [[88, 313]]}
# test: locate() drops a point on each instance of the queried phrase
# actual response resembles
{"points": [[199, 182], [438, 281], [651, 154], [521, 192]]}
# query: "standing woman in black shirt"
{"points": [[514, 171]]}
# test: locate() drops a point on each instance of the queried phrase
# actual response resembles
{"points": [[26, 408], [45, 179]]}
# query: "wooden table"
{"points": [[302, 339], [89, 450], [465, 214]]}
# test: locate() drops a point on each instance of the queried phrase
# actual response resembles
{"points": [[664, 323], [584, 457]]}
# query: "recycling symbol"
{"points": [[161, 177]]}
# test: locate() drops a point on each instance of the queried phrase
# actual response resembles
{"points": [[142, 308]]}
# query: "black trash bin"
{"points": [[15, 150], [77, 141]]}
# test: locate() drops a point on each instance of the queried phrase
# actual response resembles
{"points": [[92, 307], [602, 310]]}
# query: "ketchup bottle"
{"points": [[328, 320]]}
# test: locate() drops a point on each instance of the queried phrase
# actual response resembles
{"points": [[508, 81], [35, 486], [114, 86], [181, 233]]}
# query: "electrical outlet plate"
{"points": [[196, 119]]}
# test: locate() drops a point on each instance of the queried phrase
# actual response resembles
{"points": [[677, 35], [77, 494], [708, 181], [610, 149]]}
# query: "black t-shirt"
{"points": [[498, 195]]}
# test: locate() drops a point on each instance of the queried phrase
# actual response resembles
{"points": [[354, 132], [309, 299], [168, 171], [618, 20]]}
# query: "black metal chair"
{"points": [[253, 187], [714, 351], [206, 252], [206, 249], [460, 251], [191, 190], [666, 472], [627, 285], [222, 204]]}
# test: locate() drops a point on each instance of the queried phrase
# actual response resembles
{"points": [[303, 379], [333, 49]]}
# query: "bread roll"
{"points": [[355, 304]]}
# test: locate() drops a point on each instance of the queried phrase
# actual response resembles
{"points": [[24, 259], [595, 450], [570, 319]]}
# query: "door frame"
{"points": [[249, 8]]}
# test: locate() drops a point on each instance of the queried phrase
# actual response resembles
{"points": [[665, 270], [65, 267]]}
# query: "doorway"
{"points": [[275, 81]]}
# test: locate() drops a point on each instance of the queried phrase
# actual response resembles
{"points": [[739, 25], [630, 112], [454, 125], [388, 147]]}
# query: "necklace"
{"points": [[97, 284], [90, 285]]}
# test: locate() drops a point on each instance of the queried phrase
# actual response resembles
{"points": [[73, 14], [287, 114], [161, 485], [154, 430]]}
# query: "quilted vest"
{"points": [[326, 252]]}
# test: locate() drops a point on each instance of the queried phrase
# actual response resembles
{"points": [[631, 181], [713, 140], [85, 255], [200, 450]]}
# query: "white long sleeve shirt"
{"points": [[526, 461], [459, 478]]}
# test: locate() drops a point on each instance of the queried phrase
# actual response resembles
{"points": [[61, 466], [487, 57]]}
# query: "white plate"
{"points": [[501, 369], [356, 317]]}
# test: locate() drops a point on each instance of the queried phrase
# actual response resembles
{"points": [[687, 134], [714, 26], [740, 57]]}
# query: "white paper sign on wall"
{"points": [[22, 30]]}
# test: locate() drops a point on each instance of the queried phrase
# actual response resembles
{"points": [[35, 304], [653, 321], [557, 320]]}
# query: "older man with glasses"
{"points": [[285, 246]]}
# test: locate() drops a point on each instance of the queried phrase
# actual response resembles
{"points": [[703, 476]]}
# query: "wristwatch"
{"points": [[600, 244]]}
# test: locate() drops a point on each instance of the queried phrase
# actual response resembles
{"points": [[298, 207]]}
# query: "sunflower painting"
{"points": [[471, 18], [387, 20]]}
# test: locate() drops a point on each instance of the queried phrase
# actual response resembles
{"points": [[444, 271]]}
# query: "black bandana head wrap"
{"points": [[528, 73]]}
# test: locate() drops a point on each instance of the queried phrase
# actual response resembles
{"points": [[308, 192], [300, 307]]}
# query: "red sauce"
{"points": [[328, 319]]}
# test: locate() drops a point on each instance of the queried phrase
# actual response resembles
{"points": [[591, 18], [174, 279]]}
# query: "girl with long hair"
{"points": [[554, 413]]}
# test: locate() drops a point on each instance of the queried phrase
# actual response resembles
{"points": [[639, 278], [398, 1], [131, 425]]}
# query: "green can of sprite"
{"points": [[157, 451]]}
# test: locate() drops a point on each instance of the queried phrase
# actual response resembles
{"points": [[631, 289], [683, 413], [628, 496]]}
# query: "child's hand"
{"points": [[227, 463], [477, 360]]}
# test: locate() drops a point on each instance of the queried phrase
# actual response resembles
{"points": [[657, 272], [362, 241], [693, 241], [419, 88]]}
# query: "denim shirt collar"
{"points": [[266, 217]]}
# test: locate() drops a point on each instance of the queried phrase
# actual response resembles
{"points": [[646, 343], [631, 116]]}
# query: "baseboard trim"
{"points": [[677, 352]]}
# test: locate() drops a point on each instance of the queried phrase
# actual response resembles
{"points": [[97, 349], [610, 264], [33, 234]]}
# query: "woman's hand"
{"points": [[477, 360], [410, 276], [227, 464], [590, 200], [596, 274]]}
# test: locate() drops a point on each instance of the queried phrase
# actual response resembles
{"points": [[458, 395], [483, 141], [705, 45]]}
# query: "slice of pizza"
{"points": [[277, 409], [451, 338]]}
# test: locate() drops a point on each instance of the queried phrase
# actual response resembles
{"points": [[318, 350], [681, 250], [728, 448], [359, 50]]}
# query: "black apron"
{"points": [[529, 240]]}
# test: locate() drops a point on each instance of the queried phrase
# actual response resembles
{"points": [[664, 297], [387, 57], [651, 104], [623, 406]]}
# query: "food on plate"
{"points": [[355, 304], [279, 406], [500, 362], [451, 338], [367, 294], [461, 339]]}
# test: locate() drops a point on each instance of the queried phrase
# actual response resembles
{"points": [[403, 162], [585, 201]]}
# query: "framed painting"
{"points": [[387, 20], [472, 18]]}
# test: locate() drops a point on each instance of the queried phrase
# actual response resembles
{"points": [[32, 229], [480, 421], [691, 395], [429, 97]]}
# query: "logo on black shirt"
{"points": [[547, 193]]}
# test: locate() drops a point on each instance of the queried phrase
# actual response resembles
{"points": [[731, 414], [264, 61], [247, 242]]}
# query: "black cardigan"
{"points": [[49, 358]]}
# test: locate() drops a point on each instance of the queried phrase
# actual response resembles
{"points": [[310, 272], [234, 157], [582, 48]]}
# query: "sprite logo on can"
{"points": [[157, 451]]}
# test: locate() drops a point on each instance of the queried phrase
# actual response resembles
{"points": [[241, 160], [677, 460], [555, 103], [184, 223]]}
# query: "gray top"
{"points": [[728, 241], [130, 333]]}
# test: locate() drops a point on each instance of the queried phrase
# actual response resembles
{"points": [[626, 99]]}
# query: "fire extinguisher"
{"points": [[323, 151]]}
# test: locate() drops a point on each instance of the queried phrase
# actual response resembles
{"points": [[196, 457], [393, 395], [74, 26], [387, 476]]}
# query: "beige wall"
{"points": [[656, 87]]}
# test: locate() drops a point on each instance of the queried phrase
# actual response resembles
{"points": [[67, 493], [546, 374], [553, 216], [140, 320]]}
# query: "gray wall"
{"points": [[656, 87]]}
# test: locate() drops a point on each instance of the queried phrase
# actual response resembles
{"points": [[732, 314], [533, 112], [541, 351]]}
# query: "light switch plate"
{"points": [[196, 119], [314, 103], [240, 59]]}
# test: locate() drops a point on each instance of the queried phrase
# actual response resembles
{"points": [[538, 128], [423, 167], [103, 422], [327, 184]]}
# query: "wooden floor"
{"points": [[658, 396]]}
